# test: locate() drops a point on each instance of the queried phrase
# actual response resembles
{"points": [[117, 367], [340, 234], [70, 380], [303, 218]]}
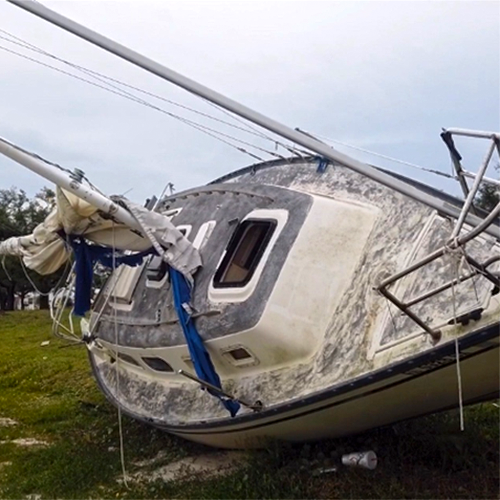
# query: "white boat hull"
{"points": [[417, 386]]}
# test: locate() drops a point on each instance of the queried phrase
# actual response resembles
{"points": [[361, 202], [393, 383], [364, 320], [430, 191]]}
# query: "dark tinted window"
{"points": [[244, 253], [158, 364], [128, 359]]}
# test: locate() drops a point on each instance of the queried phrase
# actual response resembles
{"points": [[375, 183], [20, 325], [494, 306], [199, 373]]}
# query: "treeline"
{"points": [[19, 215]]}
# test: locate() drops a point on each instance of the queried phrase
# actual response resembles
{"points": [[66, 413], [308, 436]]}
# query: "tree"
{"points": [[19, 215], [488, 195]]}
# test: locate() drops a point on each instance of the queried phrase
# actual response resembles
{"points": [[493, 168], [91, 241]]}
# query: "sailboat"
{"points": [[294, 299]]}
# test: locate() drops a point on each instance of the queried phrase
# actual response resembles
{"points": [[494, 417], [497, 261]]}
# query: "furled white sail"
{"points": [[45, 251]]}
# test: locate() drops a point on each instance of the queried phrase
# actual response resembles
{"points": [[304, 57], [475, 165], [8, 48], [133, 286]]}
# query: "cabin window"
{"points": [[158, 364], [204, 233], [185, 230], [156, 269], [243, 253], [127, 278], [128, 359]]}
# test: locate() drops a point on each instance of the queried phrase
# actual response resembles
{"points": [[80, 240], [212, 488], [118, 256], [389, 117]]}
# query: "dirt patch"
{"points": [[26, 442], [7, 422], [150, 461], [207, 465]]}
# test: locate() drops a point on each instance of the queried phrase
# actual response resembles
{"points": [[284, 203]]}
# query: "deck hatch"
{"points": [[244, 252], [240, 356], [240, 353]]}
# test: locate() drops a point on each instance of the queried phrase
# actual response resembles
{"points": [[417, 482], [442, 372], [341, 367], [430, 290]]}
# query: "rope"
{"points": [[56, 286], [473, 280], [470, 268], [57, 306], [113, 280], [454, 251], [5, 269], [105, 301], [43, 294], [459, 380], [117, 362]]}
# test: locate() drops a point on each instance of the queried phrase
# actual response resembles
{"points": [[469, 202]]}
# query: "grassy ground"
{"points": [[49, 392]]}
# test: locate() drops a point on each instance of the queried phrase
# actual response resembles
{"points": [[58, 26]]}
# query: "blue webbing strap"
{"points": [[201, 359], [322, 164], [85, 258]]}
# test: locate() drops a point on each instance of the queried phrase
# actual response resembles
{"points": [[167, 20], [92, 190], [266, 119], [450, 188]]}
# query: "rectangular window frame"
{"points": [[235, 244]]}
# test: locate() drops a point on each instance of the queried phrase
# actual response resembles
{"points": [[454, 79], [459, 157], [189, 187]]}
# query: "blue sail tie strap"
{"points": [[322, 164], [85, 257], [201, 358]]}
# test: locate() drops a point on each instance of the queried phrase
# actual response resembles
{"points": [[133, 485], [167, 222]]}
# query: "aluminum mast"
{"points": [[70, 182]]}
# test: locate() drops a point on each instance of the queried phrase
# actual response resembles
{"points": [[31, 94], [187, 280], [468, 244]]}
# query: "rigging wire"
{"points": [[117, 373], [385, 157], [248, 128], [202, 128], [456, 257], [106, 79], [290, 148]]}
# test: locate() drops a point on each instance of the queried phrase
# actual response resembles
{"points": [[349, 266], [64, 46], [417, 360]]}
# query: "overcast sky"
{"points": [[384, 76]]}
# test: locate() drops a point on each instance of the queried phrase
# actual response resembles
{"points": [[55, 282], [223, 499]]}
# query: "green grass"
{"points": [[49, 391]]}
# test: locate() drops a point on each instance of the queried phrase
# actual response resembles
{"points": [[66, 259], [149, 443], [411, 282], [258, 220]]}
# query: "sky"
{"points": [[381, 76]]}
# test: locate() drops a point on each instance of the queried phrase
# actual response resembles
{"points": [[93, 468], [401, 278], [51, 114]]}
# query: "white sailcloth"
{"points": [[44, 251]]}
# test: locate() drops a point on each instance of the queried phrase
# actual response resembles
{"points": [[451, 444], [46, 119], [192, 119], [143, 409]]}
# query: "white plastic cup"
{"points": [[366, 459]]}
